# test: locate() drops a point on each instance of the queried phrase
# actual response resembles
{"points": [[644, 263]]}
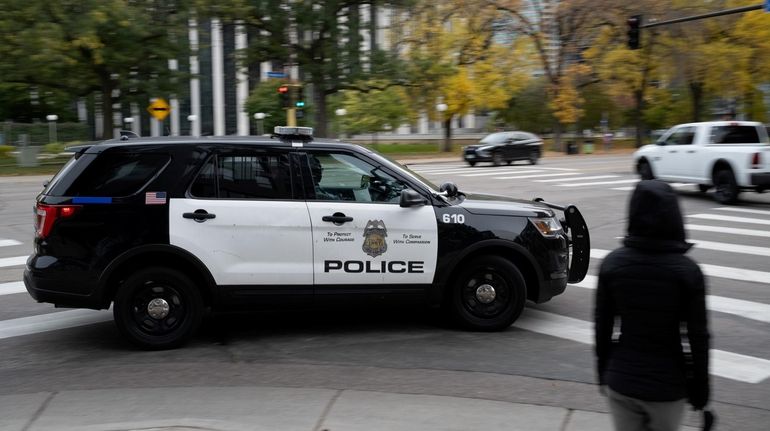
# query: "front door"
{"points": [[361, 236]]}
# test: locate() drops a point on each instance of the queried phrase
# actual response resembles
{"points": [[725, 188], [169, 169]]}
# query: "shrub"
{"points": [[5, 150], [53, 148]]}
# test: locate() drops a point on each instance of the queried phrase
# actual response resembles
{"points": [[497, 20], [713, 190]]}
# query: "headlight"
{"points": [[549, 227]]}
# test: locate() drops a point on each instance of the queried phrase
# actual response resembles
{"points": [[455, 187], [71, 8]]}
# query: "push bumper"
{"points": [[579, 241]]}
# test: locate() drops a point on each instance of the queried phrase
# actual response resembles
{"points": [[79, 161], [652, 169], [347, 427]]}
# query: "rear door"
{"points": [[241, 219]]}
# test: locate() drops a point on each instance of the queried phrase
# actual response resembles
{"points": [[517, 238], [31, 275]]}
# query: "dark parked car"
{"points": [[505, 147]]}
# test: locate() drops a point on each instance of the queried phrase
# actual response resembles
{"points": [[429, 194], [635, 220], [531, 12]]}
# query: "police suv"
{"points": [[164, 229]]}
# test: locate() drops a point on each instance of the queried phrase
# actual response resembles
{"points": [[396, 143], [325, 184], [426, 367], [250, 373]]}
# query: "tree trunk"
{"points": [[557, 146], [446, 146], [638, 120], [696, 96], [319, 113], [106, 111]]}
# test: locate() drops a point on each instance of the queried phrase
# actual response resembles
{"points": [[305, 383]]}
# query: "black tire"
{"points": [[508, 162], [703, 188], [497, 159], [725, 187], [645, 170], [170, 328], [467, 304], [533, 158], [472, 164]]}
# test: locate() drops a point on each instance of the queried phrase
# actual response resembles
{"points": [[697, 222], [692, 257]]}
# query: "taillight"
{"points": [[756, 161], [46, 215]]}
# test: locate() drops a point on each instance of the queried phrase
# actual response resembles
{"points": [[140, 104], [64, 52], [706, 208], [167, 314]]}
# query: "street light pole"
{"points": [[192, 118], [341, 112], [441, 108], [52, 118], [260, 117]]}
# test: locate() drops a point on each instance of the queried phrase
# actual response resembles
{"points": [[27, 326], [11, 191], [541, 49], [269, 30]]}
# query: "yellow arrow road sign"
{"points": [[159, 109]]}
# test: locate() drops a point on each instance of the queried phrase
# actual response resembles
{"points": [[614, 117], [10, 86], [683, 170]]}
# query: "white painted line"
{"points": [[598, 183], [731, 248], [722, 304], [8, 242], [714, 270], [13, 261], [596, 177], [625, 189], [51, 322], [503, 172], [536, 176], [730, 230], [12, 287], [674, 185], [730, 218], [723, 364], [744, 210]]}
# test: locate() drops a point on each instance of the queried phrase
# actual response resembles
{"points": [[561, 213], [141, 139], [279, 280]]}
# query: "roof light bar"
{"points": [[293, 131]]}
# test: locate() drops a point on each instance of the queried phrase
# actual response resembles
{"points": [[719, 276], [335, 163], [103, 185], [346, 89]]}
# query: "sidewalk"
{"points": [[261, 408]]}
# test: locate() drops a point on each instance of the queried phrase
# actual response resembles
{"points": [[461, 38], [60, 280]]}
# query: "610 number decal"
{"points": [[453, 218]]}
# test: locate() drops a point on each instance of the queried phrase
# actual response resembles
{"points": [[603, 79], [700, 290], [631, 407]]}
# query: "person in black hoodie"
{"points": [[654, 297]]}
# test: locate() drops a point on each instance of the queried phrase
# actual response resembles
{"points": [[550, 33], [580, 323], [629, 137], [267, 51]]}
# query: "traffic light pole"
{"points": [[291, 117]]}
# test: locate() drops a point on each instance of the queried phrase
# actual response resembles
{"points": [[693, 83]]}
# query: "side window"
{"points": [[734, 135], [115, 174], [681, 136], [340, 176], [244, 176]]}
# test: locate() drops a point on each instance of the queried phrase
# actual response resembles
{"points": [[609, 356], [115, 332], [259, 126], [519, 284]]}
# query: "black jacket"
{"points": [[654, 296]]}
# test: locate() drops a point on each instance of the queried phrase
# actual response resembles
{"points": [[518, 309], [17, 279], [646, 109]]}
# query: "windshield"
{"points": [[495, 138]]}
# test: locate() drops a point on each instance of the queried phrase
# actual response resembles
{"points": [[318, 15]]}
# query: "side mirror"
{"points": [[410, 198], [449, 188]]}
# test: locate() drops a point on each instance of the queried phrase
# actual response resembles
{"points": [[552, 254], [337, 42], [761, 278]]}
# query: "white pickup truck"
{"points": [[728, 155]]}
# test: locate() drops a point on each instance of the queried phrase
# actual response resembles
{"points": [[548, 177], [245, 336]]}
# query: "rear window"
{"points": [[735, 135], [113, 174]]}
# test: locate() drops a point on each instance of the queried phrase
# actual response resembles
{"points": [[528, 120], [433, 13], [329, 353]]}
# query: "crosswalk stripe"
{"points": [[730, 230], [503, 172], [744, 210], [536, 176], [727, 272], [8, 242], [595, 177], [730, 218], [731, 248], [722, 304], [12, 287], [51, 322], [598, 183], [674, 185], [13, 261], [729, 365]]}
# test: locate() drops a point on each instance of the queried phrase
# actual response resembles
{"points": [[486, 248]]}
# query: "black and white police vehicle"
{"points": [[163, 229]]}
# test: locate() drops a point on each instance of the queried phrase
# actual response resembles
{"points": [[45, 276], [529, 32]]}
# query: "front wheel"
{"points": [[472, 164], [725, 187], [158, 308], [533, 158], [489, 294]]}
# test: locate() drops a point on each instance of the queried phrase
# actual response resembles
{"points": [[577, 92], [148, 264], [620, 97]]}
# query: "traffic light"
{"points": [[299, 97], [634, 34], [283, 94]]}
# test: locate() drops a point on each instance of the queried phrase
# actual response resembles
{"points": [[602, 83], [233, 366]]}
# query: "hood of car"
{"points": [[483, 204]]}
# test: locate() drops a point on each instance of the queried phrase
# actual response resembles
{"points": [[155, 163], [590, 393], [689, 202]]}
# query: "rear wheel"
{"points": [[725, 187], [533, 158], [489, 294], [645, 170], [158, 308]]}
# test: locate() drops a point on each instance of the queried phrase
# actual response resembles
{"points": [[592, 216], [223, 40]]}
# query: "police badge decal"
{"points": [[374, 238]]}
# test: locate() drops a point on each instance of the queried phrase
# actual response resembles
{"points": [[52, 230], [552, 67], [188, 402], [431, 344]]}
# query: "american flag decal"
{"points": [[155, 198]]}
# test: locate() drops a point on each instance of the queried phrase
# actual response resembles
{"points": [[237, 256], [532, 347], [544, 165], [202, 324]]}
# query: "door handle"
{"points": [[199, 215], [337, 218]]}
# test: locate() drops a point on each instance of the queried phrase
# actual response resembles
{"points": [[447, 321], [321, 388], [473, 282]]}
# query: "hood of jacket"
{"points": [[654, 219]]}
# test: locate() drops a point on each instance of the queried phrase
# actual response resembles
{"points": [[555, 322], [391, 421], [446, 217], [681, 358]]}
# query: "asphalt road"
{"points": [[545, 358]]}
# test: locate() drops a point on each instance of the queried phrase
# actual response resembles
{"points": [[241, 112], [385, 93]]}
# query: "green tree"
{"points": [[380, 108], [114, 48]]}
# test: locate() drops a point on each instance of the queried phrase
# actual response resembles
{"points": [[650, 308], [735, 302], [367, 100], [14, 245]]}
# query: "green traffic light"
{"points": [[300, 104]]}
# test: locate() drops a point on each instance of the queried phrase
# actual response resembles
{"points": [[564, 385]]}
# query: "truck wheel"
{"points": [[489, 294], [497, 159], [158, 308], [645, 170], [725, 188]]}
